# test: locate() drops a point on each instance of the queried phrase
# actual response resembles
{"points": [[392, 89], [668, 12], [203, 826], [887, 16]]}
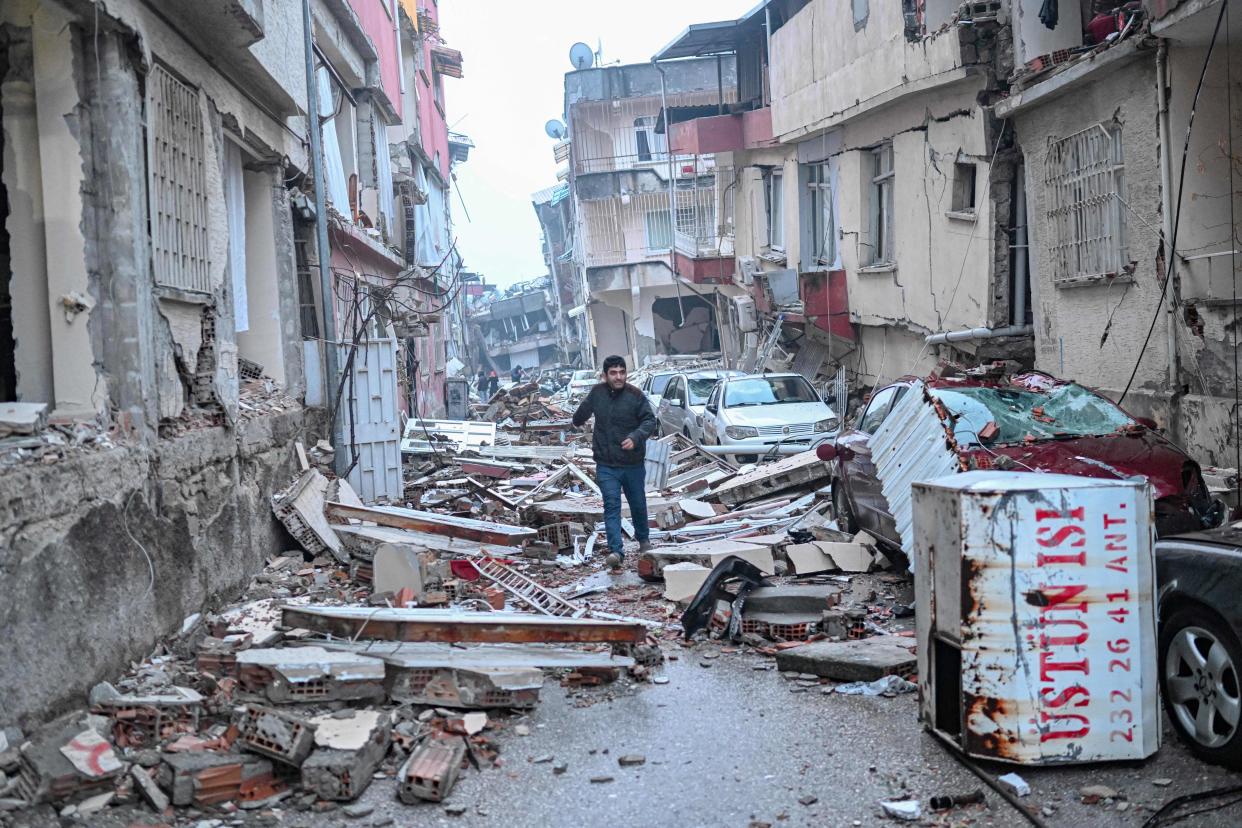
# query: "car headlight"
{"points": [[741, 432], [829, 424]]}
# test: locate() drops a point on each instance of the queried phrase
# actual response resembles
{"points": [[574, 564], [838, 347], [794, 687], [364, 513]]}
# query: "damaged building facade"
{"points": [[1101, 108], [651, 225], [518, 329], [553, 208], [162, 318]]}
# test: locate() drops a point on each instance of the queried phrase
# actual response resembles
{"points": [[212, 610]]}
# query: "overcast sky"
{"points": [[515, 58]]}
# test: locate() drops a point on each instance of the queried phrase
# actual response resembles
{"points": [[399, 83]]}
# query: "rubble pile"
{"points": [[27, 435], [406, 643]]}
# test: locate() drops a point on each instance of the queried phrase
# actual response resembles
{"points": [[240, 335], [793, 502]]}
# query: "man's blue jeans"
{"points": [[613, 480]]}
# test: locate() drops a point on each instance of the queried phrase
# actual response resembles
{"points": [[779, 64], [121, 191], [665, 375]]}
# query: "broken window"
{"points": [[338, 187], [877, 409], [659, 231], [774, 194], [1083, 175], [862, 10], [880, 161], [1008, 415], [963, 188], [650, 145], [180, 254], [818, 217]]}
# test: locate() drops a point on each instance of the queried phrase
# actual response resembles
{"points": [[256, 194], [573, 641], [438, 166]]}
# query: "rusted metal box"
{"points": [[1036, 616]]}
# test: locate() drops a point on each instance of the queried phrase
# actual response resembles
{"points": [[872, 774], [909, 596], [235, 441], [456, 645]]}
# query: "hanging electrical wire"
{"points": [[1171, 257]]}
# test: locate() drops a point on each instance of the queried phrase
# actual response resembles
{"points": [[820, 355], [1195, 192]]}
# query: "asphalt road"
{"points": [[730, 745]]}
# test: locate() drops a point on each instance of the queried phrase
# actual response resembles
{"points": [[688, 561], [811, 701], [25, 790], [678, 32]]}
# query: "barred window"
{"points": [[177, 183], [1083, 175]]}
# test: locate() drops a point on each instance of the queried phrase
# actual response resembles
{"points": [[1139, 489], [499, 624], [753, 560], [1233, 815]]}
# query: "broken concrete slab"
{"points": [[398, 566], [272, 733], [150, 791], [300, 674], [806, 598], [431, 522], [22, 418], [145, 719], [459, 626], [364, 541], [865, 659], [683, 580], [301, 509], [480, 656], [706, 553], [797, 470], [46, 774], [349, 748], [829, 556]]}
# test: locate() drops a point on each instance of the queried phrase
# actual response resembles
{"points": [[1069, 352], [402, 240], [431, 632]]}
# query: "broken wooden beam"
{"points": [[391, 624], [437, 524]]}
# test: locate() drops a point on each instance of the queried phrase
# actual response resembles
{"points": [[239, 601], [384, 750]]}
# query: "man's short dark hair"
{"points": [[614, 361]]}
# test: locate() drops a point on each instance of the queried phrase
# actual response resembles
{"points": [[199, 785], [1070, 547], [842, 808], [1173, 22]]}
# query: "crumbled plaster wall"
{"points": [[80, 539]]}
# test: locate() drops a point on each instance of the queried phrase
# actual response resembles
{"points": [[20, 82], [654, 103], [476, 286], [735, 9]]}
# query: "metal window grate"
{"points": [[1083, 175], [178, 191]]}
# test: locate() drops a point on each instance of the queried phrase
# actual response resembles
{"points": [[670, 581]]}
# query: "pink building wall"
{"points": [[379, 21], [434, 125]]}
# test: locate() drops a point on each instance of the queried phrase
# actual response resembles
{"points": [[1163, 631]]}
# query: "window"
{"points": [[963, 188], [674, 391], [1083, 175], [659, 233], [178, 184], [701, 388], [818, 217], [768, 391], [650, 145], [774, 202], [877, 409], [880, 161]]}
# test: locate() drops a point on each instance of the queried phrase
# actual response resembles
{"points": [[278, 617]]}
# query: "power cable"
{"points": [[1171, 258]]}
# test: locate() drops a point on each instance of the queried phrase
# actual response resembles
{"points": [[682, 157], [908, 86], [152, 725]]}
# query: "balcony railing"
{"points": [[683, 165]]}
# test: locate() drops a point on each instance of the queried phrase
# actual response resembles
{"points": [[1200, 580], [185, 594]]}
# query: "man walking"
{"points": [[623, 422]]}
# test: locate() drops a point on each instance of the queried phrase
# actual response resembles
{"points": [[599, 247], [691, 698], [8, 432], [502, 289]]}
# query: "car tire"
{"points": [[1200, 659], [841, 510]]}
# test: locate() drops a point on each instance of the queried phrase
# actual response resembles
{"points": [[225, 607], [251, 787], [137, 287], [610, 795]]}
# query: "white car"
{"points": [[684, 402], [581, 383], [653, 386], [751, 414]]}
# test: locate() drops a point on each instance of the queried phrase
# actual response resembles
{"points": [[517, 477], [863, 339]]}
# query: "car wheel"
{"points": [[841, 508], [1199, 662]]}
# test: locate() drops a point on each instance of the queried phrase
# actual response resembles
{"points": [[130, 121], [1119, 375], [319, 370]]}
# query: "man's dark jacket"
{"points": [[618, 415]]}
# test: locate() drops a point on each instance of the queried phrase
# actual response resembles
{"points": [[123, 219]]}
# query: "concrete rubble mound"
{"points": [[406, 643]]}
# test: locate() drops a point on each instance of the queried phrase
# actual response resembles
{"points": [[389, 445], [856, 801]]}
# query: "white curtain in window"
{"points": [[235, 208], [338, 192], [383, 175]]}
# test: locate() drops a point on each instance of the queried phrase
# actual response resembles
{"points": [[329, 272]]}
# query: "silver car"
{"points": [[681, 408]]}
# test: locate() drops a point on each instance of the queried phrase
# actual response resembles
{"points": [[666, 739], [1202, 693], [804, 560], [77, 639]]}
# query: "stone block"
{"points": [[866, 659]]}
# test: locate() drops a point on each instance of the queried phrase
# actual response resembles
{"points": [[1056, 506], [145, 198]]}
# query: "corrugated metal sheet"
{"points": [[1035, 602], [657, 461], [911, 445]]}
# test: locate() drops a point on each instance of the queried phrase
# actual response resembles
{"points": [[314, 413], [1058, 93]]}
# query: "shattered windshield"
{"points": [[992, 416], [700, 389], [768, 391]]}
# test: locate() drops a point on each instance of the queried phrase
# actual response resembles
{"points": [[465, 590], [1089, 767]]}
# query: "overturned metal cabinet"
{"points": [[1036, 616]]}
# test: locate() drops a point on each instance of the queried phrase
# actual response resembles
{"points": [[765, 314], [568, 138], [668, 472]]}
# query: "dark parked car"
{"points": [[1030, 422], [1199, 577]]}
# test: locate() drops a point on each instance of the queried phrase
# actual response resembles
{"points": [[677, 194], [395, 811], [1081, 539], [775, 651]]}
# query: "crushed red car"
{"points": [[1028, 421]]}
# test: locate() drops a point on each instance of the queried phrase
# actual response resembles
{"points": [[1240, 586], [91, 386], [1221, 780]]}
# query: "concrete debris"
{"points": [[1015, 784], [204, 779], [431, 771], [280, 736], [866, 659], [301, 509], [888, 686], [150, 791], [22, 418], [682, 581], [92, 755], [908, 810], [302, 674], [348, 751]]}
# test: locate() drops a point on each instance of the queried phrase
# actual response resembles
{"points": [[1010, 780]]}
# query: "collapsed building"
{"points": [[518, 329]]}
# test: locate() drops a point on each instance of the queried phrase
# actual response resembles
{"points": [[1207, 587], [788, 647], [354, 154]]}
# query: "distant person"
{"points": [[481, 385], [493, 384], [516, 373], [623, 422]]}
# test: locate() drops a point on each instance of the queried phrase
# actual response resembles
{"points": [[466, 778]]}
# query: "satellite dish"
{"points": [[581, 56], [555, 129]]}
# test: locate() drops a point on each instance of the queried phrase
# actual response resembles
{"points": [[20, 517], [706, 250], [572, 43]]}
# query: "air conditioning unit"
{"points": [[744, 309]]}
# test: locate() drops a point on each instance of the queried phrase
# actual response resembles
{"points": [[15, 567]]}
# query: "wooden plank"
{"points": [[431, 522], [452, 626]]}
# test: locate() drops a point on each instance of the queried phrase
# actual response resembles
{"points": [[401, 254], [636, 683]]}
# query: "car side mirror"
{"points": [[675, 403], [1147, 422]]}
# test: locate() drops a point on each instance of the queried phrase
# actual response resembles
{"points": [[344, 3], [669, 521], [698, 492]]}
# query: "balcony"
{"points": [[825, 302], [723, 133]]}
